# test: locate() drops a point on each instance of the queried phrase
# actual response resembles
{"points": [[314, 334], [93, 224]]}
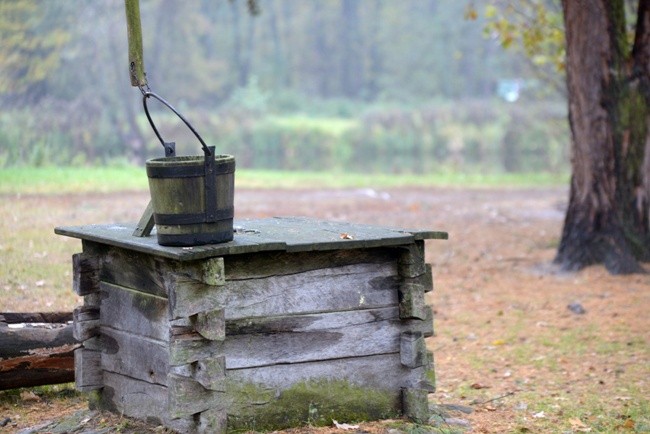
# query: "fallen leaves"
{"points": [[578, 425], [29, 396]]}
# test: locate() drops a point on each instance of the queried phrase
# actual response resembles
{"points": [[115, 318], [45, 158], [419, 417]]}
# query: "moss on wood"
{"points": [[312, 402]]}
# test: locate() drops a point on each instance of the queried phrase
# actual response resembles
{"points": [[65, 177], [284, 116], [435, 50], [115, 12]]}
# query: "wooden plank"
{"points": [[146, 223], [120, 235], [411, 262], [153, 275], [256, 266], [425, 280], [94, 343], [209, 271], [85, 273], [416, 405], [424, 326], [280, 234], [209, 372], [132, 397], [188, 297], [129, 269], [413, 350], [383, 371], [302, 338], [188, 348], [188, 397], [411, 301], [211, 324], [88, 369], [302, 234], [140, 400], [134, 356], [137, 312], [86, 322], [341, 288]]}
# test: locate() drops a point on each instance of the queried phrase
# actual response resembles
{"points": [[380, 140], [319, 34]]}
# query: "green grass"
{"points": [[52, 180]]}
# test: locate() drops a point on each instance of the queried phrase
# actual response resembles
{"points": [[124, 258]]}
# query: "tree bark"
{"points": [[607, 217]]}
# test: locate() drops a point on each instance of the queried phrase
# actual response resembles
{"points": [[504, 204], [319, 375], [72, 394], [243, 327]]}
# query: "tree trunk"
{"points": [[322, 53], [607, 218], [350, 41]]}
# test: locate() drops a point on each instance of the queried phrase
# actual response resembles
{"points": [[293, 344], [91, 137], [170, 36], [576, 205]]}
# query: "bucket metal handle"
{"points": [[210, 183], [169, 146]]}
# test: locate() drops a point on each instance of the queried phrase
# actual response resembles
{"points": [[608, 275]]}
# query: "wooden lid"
{"points": [[289, 234]]}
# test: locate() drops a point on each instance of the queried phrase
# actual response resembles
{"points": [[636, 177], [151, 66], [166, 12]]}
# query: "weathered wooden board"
{"points": [[88, 369], [188, 297], [135, 270], [411, 262], [192, 347], [303, 338], [136, 312], [411, 301], [142, 400], [132, 397], [152, 274], [285, 234], [86, 322], [413, 350], [269, 264], [355, 286], [383, 371], [416, 405], [188, 397], [85, 272], [210, 372], [134, 356]]}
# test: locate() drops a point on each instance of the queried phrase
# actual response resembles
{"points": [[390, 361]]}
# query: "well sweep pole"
{"points": [[134, 34]]}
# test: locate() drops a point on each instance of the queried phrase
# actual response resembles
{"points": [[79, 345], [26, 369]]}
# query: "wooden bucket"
{"points": [[192, 196]]}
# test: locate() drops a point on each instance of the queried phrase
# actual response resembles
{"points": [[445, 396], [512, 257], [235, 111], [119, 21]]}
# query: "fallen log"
{"points": [[36, 349], [35, 317]]}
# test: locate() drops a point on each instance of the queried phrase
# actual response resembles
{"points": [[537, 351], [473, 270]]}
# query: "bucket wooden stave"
{"points": [[178, 198]]}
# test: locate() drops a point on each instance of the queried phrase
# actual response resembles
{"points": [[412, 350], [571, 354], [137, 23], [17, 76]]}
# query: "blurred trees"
{"points": [[33, 36], [67, 61]]}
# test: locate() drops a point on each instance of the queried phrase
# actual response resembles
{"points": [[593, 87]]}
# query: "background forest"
{"points": [[365, 86]]}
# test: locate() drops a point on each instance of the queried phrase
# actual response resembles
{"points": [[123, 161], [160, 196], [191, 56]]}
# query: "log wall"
{"points": [[257, 340]]}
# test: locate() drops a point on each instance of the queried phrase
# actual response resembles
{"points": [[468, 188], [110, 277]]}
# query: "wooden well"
{"points": [[295, 321]]}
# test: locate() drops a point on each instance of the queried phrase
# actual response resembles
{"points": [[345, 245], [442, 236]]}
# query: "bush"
{"points": [[490, 136]]}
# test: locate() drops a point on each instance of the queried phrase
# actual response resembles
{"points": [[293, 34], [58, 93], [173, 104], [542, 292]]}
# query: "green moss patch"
{"points": [[313, 403]]}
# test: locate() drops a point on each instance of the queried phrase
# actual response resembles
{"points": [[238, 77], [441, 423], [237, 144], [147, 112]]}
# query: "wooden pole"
{"points": [[134, 34]]}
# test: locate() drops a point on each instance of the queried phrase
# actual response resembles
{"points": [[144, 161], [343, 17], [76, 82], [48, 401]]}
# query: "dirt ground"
{"points": [[519, 346]]}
